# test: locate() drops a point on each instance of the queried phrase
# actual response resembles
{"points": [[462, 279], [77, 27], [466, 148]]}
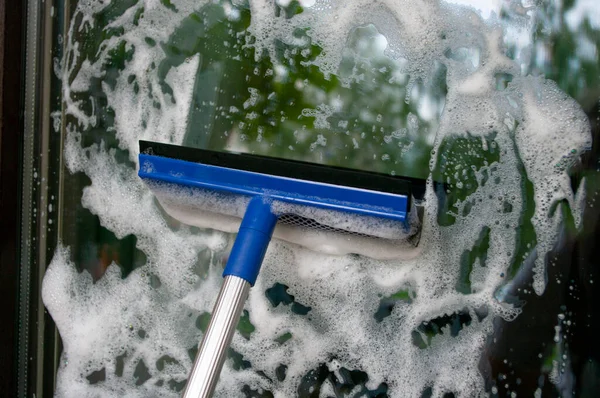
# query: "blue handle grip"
{"points": [[252, 240]]}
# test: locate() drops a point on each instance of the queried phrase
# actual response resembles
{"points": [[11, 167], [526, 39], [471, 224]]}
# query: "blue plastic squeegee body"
{"points": [[264, 189]]}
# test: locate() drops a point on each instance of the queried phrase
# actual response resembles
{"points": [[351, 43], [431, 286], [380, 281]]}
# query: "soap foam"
{"points": [[327, 231], [533, 122]]}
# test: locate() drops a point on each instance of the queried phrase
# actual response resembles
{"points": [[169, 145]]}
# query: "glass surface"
{"points": [[472, 98]]}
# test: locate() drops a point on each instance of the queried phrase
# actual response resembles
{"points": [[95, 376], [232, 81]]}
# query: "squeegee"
{"points": [[331, 209]]}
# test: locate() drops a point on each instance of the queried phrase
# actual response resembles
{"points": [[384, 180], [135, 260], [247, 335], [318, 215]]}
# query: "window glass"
{"points": [[495, 104]]}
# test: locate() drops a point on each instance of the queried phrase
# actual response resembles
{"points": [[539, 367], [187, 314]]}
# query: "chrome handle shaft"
{"points": [[211, 354]]}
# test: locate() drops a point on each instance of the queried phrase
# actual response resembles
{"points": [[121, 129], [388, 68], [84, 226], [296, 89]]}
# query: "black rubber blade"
{"points": [[290, 168]]}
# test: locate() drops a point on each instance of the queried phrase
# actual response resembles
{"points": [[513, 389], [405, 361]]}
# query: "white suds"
{"points": [[127, 325]]}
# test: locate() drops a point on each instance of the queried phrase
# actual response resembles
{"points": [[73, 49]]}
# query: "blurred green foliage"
{"points": [[281, 104], [423, 335], [467, 260], [459, 162], [567, 52]]}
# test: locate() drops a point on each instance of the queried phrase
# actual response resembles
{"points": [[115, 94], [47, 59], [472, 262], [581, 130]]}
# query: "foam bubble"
{"points": [[334, 311]]}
